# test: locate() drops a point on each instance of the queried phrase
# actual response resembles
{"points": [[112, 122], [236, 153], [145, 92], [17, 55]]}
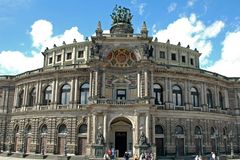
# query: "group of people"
{"points": [[110, 154], [144, 156]]}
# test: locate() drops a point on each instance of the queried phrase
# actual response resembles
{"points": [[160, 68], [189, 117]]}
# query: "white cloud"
{"points": [[133, 1], [15, 62], [42, 35], [190, 3], [193, 32], [42, 31], [229, 63], [172, 7], [141, 8]]}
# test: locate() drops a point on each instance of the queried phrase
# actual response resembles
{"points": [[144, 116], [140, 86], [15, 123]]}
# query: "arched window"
{"points": [[158, 129], [197, 130], [209, 99], [44, 129], [20, 99], [212, 132], [158, 93], [62, 128], [47, 93], [84, 91], [83, 128], [179, 130], [195, 97], [221, 101], [32, 97], [177, 95], [65, 94], [28, 129]]}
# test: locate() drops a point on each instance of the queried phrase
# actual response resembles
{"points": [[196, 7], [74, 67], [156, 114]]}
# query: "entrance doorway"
{"points": [[121, 135], [121, 142]]}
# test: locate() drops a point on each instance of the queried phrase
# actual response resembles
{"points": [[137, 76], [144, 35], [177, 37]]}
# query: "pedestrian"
{"points": [[106, 156], [196, 158]]}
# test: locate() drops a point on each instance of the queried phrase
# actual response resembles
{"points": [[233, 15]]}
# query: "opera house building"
{"points": [[119, 90]]}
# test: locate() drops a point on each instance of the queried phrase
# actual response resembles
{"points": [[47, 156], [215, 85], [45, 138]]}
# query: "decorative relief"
{"points": [[121, 58]]}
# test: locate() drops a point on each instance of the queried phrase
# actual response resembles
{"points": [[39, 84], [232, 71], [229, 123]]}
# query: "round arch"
{"points": [[120, 129]]}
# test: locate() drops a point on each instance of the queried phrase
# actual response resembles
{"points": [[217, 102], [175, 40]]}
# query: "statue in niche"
{"points": [[100, 138], [142, 139]]}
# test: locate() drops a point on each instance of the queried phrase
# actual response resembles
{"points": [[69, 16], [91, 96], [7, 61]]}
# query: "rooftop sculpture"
{"points": [[121, 15]]}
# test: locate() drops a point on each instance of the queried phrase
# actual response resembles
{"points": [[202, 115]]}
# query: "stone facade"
{"points": [[120, 90]]}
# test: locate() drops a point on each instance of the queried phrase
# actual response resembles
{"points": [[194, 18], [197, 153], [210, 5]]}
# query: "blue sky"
{"points": [[28, 26]]}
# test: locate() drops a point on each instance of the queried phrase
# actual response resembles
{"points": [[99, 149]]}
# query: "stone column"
{"points": [[96, 84], [202, 94], [137, 128], [105, 127], [226, 98], [138, 85], [5, 100], [25, 95], [94, 128], [15, 97], [88, 128], [186, 91], [216, 96], [166, 94], [76, 93], [146, 83], [147, 125], [90, 84], [153, 130], [63, 57], [72, 91], [74, 55], [103, 84], [56, 92]]}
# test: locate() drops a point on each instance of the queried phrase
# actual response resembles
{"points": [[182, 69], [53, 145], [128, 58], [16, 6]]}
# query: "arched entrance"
{"points": [[121, 135]]}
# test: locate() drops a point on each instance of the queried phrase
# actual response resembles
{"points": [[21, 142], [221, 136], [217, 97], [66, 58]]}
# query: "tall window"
{"points": [[32, 97], [195, 97], [209, 99], [20, 99], [221, 101], [158, 129], [177, 95], [47, 95], [84, 91], [158, 94], [65, 94], [197, 130]]}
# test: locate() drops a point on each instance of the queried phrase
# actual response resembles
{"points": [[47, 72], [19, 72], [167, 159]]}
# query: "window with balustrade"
{"points": [[177, 95]]}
